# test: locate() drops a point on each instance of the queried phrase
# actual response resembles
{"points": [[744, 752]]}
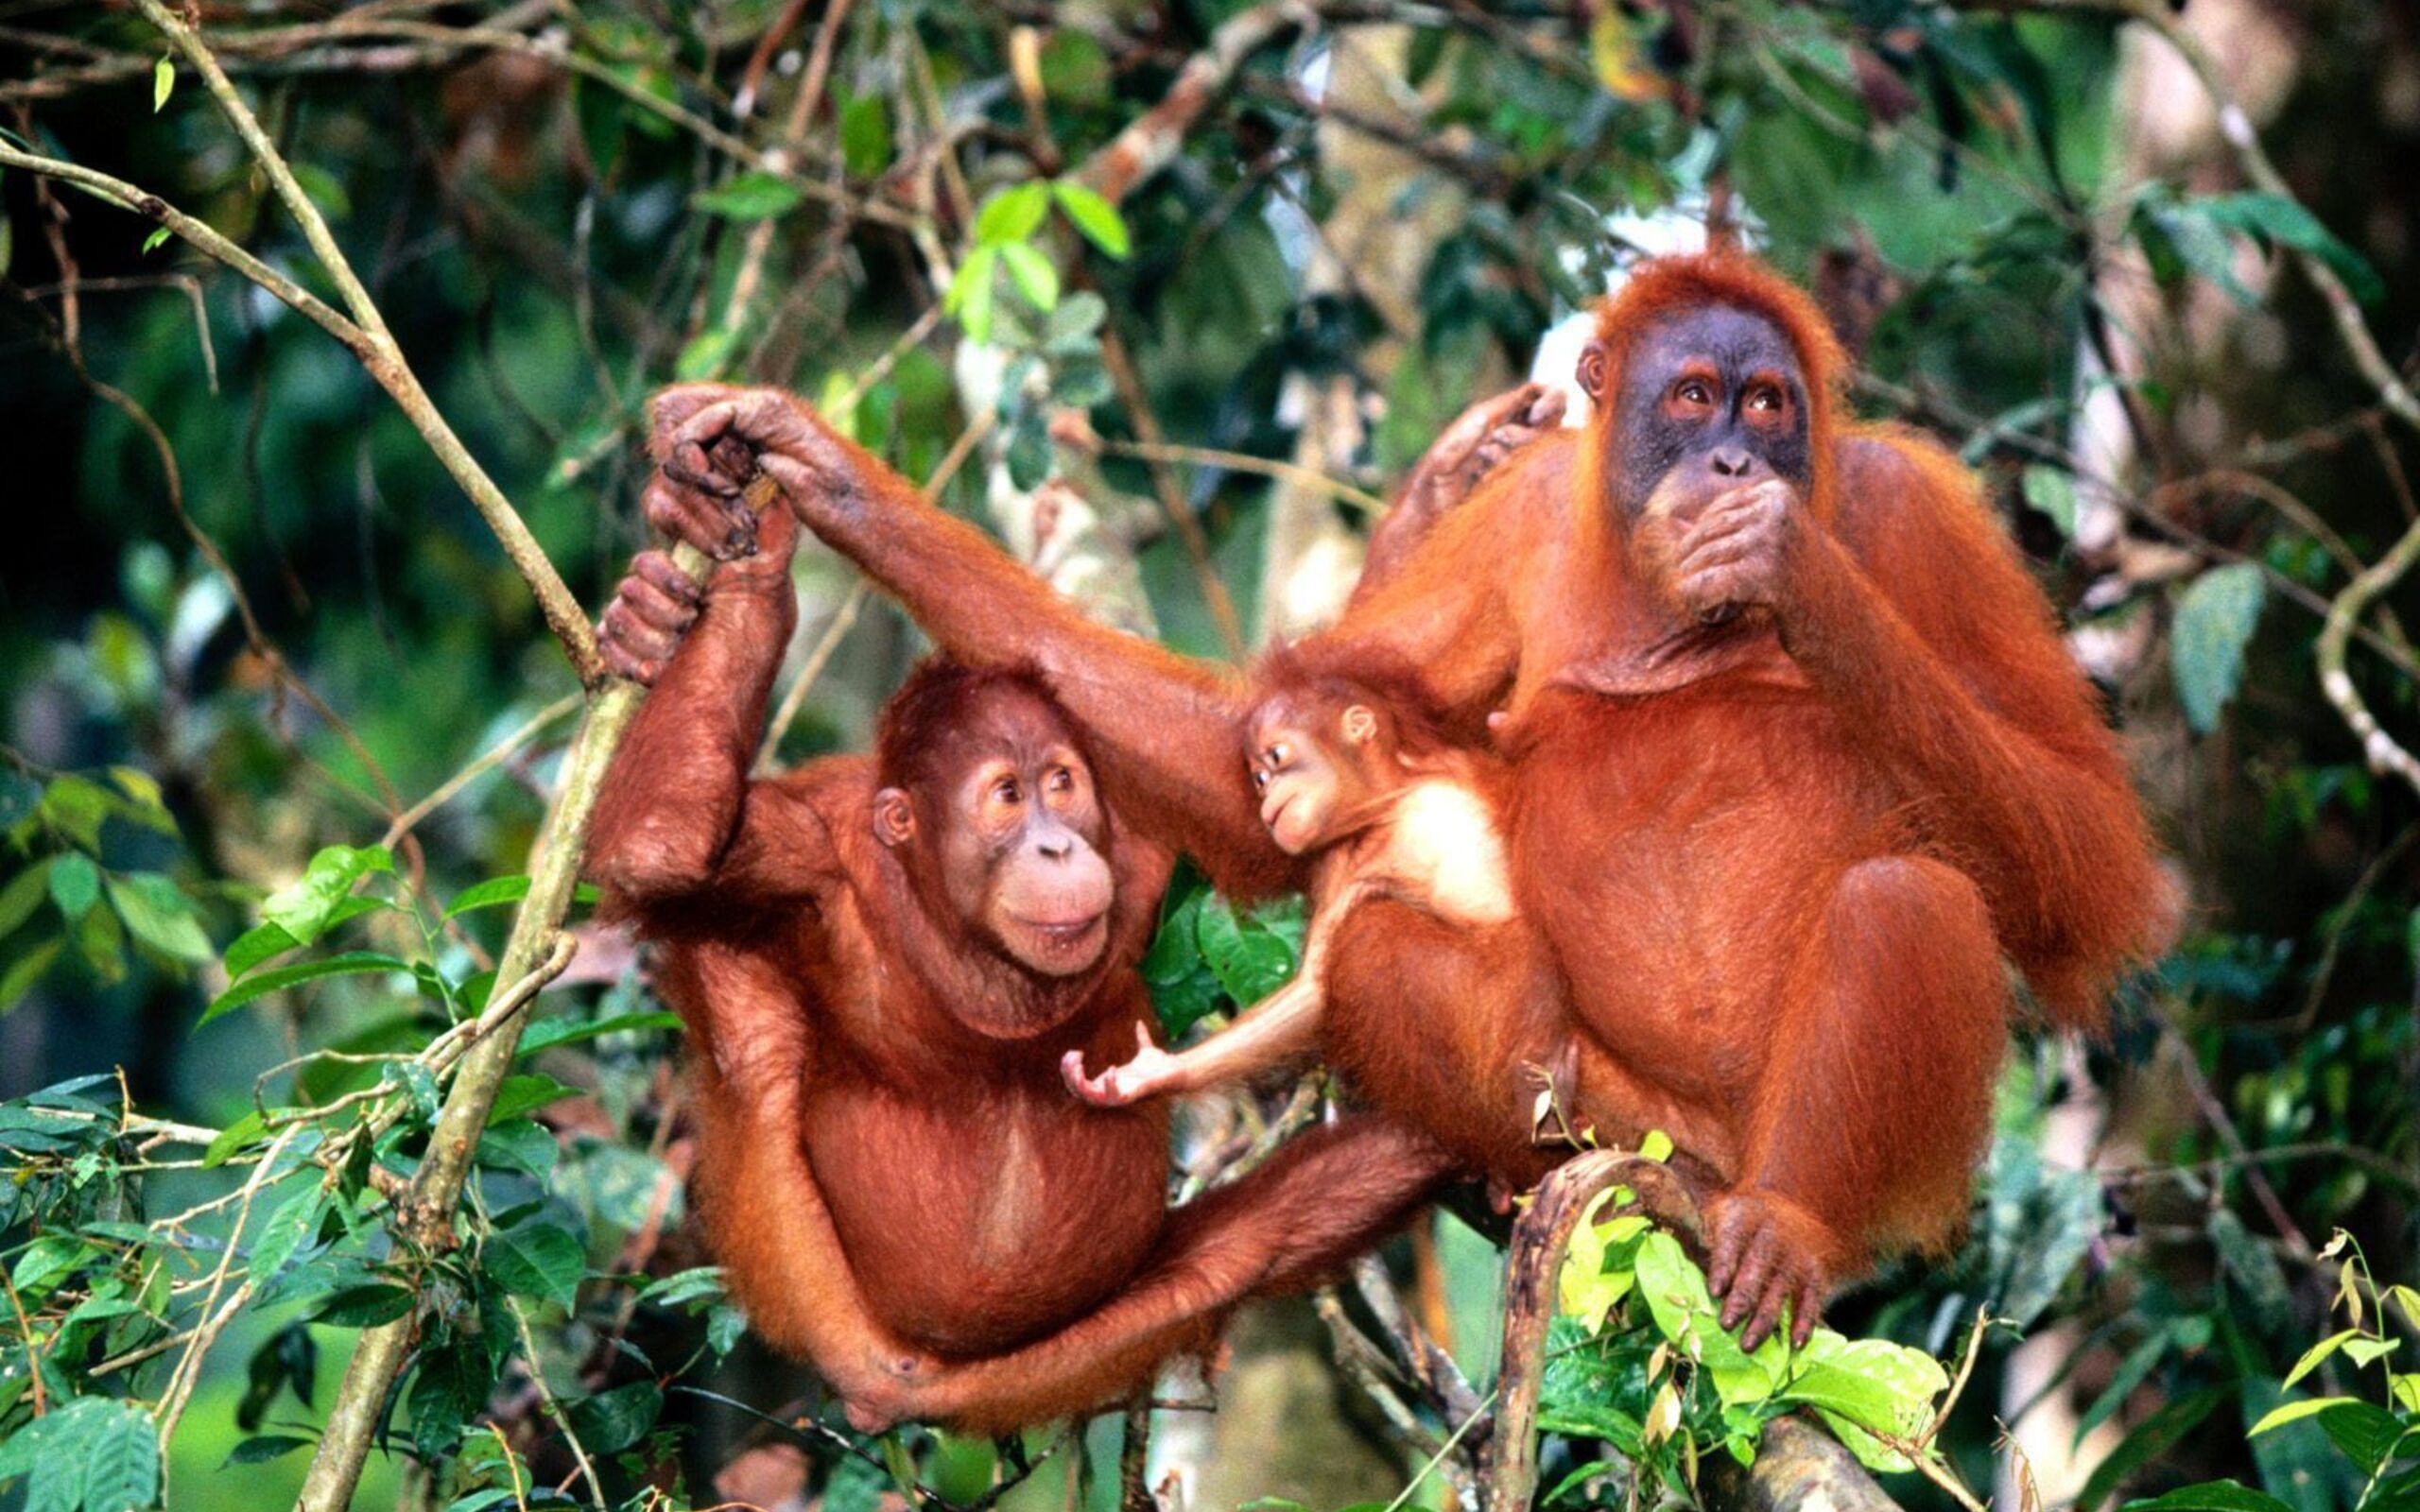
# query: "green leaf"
{"points": [[260, 1451], [74, 884], [1033, 273], [755, 196], [694, 1284], [2316, 1355], [286, 1230], [353, 963], [547, 1033], [2052, 490], [1011, 214], [611, 1422], [1251, 959], [970, 294], [95, 1452], [2215, 618], [525, 1095], [25, 970], [487, 894], [865, 136], [538, 1260], [707, 356], [2272, 218], [164, 84], [365, 1306], [310, 905], [158, 239], [23, 895], [2364, 1431], [159, 915], [47, 1261], [1095, 216], [257, 944], [519, 1144], [2214, 1496], [2150, 1438], [232, 1137]]}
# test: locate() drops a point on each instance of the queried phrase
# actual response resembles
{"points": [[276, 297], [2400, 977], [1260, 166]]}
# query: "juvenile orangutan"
{"points": [[1355, 775]]}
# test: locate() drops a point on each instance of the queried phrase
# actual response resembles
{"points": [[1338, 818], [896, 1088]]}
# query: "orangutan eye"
{"points": [[1279, 756], [1694, 391], [1765, 398], [1260, 780], [1005, 790], [1060, 780]]}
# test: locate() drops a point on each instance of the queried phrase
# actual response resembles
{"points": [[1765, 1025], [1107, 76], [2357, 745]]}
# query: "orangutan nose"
{"points": [[1732, 462]]}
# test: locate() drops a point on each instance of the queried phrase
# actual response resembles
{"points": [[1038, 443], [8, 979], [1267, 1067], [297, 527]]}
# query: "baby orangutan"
{"points": [[1353, 772]]}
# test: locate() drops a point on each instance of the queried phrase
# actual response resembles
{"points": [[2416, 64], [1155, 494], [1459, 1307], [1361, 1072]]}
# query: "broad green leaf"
{"points": [[262, 942], [2215, 618], [538, 1260], [549, 1033], [1033, 273], [865, 135], [518, 1145], [365, 1306], [2147, 1440], [2295, 1412], [2317, 1354], [2214, 1496], [2272, 218], [235, 1137], [74, 884], [353, 963], [612, 1422], [159, 915], [164, 82], [46, 1260], [1252, 960], [121, 1451], [307, 907], [1093, 215], [487, 894], [754, 196], [690, 1286], [525, 1095], [287, 1228], [261, 1450], [1011, 214], [23, 896], [2364, 1431], [78, 806]]}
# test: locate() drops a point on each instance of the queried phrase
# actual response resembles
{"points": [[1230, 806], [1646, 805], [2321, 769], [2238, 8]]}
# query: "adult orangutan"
{"points": [[1797, 758], [882, 962]]}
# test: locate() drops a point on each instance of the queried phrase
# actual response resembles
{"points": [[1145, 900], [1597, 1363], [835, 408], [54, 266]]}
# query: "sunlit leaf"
{"points": [[1092, 213]]}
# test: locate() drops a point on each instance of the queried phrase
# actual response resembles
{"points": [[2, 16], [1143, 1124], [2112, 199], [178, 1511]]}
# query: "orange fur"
{"points": [[1774, 867]]}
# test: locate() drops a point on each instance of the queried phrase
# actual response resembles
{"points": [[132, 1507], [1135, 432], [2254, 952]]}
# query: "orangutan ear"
{"points": [[895, 818], [1592, 372], [1360, 725]]}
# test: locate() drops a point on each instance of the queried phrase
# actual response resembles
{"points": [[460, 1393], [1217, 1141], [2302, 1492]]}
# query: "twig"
{"points": [[1171, 491], [554, 1409], [486, 762], [1293, 472]]}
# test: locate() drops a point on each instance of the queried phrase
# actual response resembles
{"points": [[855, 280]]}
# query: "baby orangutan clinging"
{"points": [[1353, 773]]}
